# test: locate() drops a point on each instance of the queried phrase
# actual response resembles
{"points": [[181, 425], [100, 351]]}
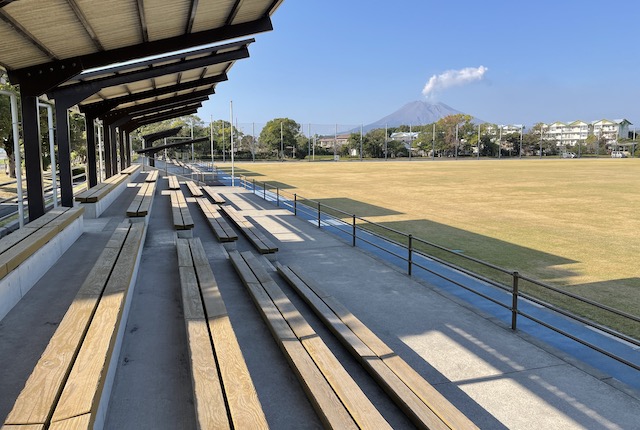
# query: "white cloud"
{"points": [[453, 78]]}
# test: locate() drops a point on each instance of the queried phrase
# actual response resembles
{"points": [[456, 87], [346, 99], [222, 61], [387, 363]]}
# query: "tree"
{"points": [[279, 134], [6, 128]]}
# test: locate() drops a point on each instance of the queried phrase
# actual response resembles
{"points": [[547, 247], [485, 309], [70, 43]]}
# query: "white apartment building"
{"points": [[611, 130], [577, 132]]}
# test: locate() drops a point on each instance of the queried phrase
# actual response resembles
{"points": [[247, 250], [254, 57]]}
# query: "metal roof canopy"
{"points": [[171, 145], [44, 44], [152, 137]]}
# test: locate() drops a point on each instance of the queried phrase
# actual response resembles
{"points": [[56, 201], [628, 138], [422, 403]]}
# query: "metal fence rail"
{"points": [[407, 249]]}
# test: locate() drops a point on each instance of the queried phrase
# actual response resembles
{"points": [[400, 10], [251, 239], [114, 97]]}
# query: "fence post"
{"points": [[318, 214], [514, 302], [354, 230], [278, 196], [295, 204], [410, 256]]}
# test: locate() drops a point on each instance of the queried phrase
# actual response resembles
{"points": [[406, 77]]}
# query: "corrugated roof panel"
{"points": [[94, 98], [117, 91], [165, 80], [138, 86], [190, 75], [55, 25], [18, 49], [116, 22], [251, 10], [212, 14], [166, 19]]}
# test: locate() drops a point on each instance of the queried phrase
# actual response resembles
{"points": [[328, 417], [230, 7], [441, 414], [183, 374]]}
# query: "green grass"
{"points": [[570, 223]]}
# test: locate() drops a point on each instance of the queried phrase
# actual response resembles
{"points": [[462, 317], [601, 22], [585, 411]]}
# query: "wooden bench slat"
{"points": [[211, 412], [174, 184], [191, 301], [259, 240], [184, 253], [217, 198], [218, 224], [152, 176], [75, 423], [33, 405], [194, 189], [242, 398]]}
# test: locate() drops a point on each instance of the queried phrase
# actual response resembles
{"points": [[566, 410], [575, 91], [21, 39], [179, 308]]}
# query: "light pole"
{"points": [[520, 149], [281, 142], [478, 144]]}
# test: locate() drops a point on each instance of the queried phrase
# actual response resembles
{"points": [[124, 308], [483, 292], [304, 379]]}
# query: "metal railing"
{"points": [[411, 250]]}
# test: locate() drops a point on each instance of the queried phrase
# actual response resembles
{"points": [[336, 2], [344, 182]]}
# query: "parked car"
{"points": [[618, 154], [569, 155]]}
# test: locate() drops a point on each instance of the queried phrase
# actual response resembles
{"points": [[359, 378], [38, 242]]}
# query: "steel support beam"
{"points": [[64, 153], [32, 156], [92, 162]]}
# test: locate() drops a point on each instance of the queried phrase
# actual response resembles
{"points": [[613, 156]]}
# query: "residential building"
{"points": [[328, 142], [577, 132], [611, 130]]}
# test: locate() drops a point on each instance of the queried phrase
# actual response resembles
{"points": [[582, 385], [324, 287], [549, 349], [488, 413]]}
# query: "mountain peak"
{"points": [[417, 112]]}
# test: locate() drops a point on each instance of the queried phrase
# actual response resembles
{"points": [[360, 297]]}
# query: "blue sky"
{"points": [[355, 61]]}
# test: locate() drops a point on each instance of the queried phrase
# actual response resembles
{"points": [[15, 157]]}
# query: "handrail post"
{"points": [[254, 185], [295, 204], [264, 191], [318, 214], [410, 256], [354, 230], [514, 301], [278, 196]]}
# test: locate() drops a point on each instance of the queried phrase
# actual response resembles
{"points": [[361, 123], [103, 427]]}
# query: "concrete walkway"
{"points": [[496, 377]]}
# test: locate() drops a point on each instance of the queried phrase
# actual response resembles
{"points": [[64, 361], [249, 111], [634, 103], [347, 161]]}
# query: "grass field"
{"points": [[571, 223]]}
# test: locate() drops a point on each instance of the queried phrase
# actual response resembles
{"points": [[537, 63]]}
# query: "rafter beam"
{"points": [[18, 28], [234, 12], [192, 16], [85, 23], [144, 32]]}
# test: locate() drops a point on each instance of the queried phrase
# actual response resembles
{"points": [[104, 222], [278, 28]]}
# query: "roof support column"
{"points": [[107, 150], [127, 135], [114, 149], [64, 153], [123, 154], [32, 156], [92, 172]]}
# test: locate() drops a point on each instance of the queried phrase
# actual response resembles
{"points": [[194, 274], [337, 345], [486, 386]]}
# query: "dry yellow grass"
{"points": [[573, 223]]}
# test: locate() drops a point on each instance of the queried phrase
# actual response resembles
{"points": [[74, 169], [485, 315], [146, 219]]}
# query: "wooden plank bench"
{"points": [[152, 176], [422, 403], [250, 231], [70, 385], [181, 216], [28, 253], [217, 198], [141, 204], [219, 225], [194, 189], [223, 392], [174, 184], [97, 198], [338, 400], [131, 169]]}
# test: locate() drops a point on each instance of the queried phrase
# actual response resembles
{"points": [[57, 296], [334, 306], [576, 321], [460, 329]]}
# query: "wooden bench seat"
{"points": [[422, 403], [250, 231], [69, 384], [99, 191], [219, 225], [215, 197], [16, 247], [152, 176], [141, 203], [194, 189], [181, 216], [338, 400], [174, 184], [224, 394], [131, 169]]}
